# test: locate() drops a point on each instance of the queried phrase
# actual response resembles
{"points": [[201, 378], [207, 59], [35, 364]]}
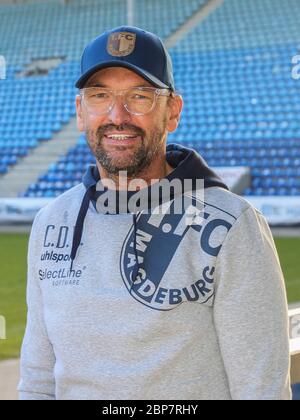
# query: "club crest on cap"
{"points": [[120, 44]]}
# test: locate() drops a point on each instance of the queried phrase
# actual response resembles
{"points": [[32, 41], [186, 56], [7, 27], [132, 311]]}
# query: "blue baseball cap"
{"points": [[130, 47]]}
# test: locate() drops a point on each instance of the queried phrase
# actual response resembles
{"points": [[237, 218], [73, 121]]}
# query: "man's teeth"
{"points": [[120, 137]]}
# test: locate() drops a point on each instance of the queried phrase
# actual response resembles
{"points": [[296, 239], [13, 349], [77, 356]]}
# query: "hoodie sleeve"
{"points": [[250, 312], [37, 356]]}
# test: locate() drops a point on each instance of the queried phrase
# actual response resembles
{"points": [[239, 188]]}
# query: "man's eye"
{"points": [[100, 95], [139, 97]]}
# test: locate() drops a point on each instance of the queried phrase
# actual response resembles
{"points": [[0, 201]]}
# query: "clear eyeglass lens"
{"points": [[136, 101]]}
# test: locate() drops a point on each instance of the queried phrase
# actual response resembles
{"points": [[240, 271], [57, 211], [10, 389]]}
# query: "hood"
{"points": [[187, 164]]}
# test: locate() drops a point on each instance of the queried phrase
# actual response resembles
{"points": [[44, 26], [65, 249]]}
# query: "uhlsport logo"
{"points": [[2, 68], [183, 240], [56, 251]]}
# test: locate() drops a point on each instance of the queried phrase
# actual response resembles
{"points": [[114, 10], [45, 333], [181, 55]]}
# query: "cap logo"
{"points": [[121, 44]]}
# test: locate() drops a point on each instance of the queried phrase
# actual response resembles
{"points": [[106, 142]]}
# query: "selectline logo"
{"points": [[296, 68], [2, 328], [2, 68]]}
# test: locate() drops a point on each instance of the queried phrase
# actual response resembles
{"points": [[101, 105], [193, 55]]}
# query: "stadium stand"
{"points": [[234, 71], [34, 108], [241, 103], [49, 29]]}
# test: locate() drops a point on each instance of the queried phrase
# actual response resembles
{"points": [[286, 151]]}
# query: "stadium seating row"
{"points": [[233, 70]]}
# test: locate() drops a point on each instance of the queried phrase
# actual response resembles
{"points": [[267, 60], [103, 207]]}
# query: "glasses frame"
{"points": [[157, 91]]}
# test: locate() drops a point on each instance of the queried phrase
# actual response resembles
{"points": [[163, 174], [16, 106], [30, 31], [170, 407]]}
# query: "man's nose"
{"points": [[118, 114]]}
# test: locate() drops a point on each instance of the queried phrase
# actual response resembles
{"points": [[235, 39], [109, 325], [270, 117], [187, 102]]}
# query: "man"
{"points": [[136, 303]]}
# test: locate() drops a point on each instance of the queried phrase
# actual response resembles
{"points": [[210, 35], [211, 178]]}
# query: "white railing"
{"points": [[294, 317]]}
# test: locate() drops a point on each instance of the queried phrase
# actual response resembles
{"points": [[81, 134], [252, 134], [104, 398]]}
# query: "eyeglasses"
{"points": [[137, 101]]}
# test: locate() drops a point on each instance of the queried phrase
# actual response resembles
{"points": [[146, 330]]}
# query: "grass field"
{"points": [[13, 251]]}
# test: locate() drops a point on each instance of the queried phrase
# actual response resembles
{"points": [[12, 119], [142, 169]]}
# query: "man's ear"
{"points": [[175, 109], [79, 113]]}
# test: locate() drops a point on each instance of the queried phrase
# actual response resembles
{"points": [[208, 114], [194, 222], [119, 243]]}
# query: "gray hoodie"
{"points": [[150, 306]]}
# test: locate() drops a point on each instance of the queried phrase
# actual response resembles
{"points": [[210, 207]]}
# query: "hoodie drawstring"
{"points": [[136, 267], [79, 230], [79, 223]]}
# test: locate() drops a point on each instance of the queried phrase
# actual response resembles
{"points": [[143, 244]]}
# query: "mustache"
{"points": [[111, 127]]}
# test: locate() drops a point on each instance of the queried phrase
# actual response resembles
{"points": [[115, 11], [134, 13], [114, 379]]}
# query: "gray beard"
{"points": [[142, 158]]}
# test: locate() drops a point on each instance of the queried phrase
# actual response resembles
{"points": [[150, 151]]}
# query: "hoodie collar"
{"points": [[187, 164]]}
